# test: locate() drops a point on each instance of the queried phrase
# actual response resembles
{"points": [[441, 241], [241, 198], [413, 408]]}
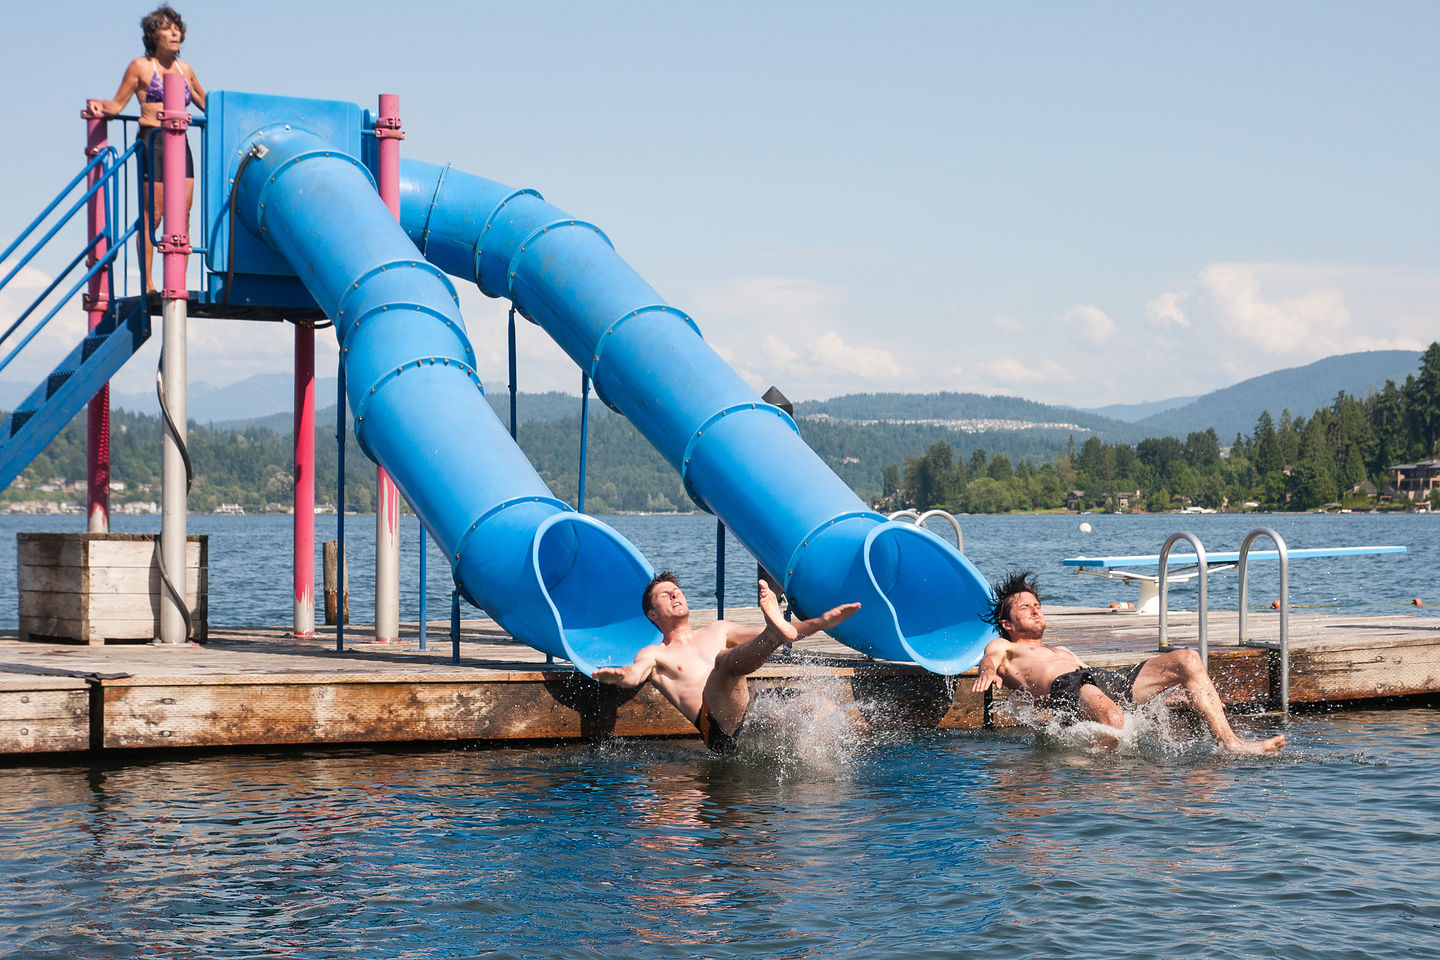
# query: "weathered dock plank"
{"points": [[44, 714], [255, 687]]}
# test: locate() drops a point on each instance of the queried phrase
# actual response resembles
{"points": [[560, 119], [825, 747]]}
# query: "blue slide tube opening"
{"points": [[740, 458], [552, 578], [596, 603], [921, 600]]}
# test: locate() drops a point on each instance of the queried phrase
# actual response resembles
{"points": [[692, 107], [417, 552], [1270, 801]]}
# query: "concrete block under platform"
{"points": [[93, 587]]}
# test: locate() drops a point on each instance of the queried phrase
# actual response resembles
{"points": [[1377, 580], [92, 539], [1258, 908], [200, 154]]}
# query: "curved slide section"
{"points": [[558, 580], [740, 458]]}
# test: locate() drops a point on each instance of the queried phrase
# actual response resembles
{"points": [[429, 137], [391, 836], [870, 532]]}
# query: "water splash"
{"points": [[811, 728], [1149, 730]]}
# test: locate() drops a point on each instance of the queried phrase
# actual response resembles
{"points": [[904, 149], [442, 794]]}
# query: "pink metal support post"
{"points": [[97, 303], [304, 481], [175, 245], [388, 135]]}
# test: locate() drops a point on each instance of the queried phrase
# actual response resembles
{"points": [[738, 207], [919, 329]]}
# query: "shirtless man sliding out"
{"points": [[702, 672], [1020, 659]]}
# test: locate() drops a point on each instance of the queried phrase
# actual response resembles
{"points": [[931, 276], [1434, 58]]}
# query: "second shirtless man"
{"points": [[1020, 660], [702, 671]]}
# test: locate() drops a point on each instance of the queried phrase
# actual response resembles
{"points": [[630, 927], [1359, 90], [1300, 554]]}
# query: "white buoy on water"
{"points": [[1085, 526]]}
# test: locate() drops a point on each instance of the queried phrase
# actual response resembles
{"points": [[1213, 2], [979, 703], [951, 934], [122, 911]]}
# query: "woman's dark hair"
{"points": [[1015, 583], [664, 576], [155, 21]]}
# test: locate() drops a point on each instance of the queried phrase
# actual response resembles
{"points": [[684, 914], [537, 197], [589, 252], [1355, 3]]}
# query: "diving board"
{"points": [[1149, 583]]}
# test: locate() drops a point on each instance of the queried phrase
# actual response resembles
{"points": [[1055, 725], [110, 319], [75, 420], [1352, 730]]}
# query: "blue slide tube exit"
{"points": [[740, 458], [560, 581]]}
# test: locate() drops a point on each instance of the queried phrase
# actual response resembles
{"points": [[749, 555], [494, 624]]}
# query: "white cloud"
{"points": [[776, 349], [767, 303], [1284, 325], [1006, 324], [1005, 373], [1165, 310], [868, 363], [52, 343], [791, 331], [1094, 323]]}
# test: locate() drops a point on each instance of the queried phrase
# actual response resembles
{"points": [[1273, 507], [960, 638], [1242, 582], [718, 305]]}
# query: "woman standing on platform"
{"points": [[163, 31]]}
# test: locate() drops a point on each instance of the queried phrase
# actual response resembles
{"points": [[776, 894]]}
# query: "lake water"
{"points": [[980, 845], [813, 842], [250, 578]]}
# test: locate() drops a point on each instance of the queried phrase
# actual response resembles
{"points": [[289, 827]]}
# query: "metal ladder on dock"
{"points": [[920, 519], [1280, 703]]}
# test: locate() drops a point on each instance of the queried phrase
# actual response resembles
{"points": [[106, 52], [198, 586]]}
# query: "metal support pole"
{"points": [[387, 495], [340, 409], [719, 569], [304, 527], [584, 437], [512, 373], [175, 245], [424, 589], [454, 626], [97, 304]]}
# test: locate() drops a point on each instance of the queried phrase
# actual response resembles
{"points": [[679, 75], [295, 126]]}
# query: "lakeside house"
{"points": [[1416, 481]]}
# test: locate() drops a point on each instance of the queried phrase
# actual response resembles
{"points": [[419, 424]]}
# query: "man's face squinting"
{"points": [[1026, 620]]}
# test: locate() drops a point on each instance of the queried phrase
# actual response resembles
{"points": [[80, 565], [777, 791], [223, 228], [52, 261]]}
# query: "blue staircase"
{"points": [[124, 329], [62, 394]]}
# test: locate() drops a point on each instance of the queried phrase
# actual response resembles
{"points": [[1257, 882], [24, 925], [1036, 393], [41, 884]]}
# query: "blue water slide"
{"points": [[740, 458], [558, 580]]}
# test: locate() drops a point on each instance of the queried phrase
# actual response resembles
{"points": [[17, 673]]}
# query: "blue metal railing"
{"points": [[110, 162], [103, 185]]}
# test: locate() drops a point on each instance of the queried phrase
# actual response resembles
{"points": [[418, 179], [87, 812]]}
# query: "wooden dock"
{"points": [[256, 687]]}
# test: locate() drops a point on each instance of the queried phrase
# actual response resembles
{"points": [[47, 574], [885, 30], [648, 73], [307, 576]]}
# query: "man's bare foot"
{"points": [[1271, 745]]}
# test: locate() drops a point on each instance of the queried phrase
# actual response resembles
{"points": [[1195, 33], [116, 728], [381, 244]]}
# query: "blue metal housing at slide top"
{"points": [[740, 458], [557, 580]]}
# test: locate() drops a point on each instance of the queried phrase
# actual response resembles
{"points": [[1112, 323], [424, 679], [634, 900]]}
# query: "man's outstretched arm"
{"points": [[989, 677], [632, 675], [826, 620]]}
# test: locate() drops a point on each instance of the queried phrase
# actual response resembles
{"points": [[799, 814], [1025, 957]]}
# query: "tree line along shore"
{"points": [[1342, 455]]}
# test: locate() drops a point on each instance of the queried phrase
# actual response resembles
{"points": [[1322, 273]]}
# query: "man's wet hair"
{"points": [[664, 576], [1015, 583]]}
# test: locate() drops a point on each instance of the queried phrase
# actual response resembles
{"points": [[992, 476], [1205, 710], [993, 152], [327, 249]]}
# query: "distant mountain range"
{"points": [[1301, 390], [265, 400], [1231, 411], [254, 397], [1132, 412]]}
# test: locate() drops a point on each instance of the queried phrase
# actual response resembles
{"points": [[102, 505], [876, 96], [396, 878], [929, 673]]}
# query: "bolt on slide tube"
{"points": [[562, 582], [740, 458]]}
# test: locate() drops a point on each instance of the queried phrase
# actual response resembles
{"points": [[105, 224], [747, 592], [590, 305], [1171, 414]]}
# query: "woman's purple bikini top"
{"points": [[155, 92]]}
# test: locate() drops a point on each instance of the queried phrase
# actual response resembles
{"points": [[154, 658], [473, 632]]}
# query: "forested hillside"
{"points": [[1284, 459], [1340, 454]]}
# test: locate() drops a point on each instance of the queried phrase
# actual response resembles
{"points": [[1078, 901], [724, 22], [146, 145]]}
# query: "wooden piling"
{"points": [[331, 563]]}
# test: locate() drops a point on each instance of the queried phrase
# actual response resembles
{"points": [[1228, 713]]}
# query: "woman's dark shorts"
{"points": [[154, 147]]}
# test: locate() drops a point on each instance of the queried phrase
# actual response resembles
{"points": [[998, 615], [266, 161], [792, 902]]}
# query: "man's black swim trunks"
{"points": [[716, 739], [1065, 689]]}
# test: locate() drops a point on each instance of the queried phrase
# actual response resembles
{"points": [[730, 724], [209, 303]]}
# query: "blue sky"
{"points": [[1081, 203]]}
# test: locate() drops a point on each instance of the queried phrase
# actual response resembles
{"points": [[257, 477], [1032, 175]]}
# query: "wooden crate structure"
{"points": [[93, 587]]}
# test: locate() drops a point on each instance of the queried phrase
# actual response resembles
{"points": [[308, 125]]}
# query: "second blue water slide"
{"points": [[557, 580], [740, 458]]}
